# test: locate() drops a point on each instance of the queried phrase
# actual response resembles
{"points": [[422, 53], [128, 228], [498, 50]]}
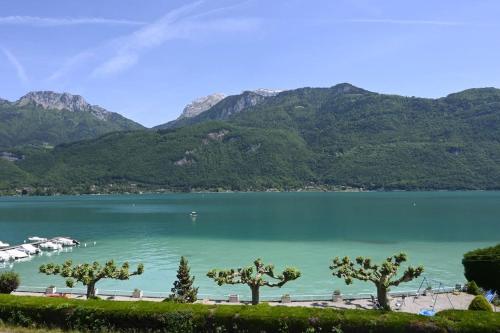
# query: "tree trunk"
{"points": [[255, 295], [90, 290], [382, 297]]}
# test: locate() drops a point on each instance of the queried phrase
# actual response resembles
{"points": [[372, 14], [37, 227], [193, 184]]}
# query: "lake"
{"points": [[305, 230]]}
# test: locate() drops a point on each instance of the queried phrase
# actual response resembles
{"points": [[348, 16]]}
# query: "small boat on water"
{"points": [[4, 256], [66, 241], [37, 239], [51, 246], [193, 213]]}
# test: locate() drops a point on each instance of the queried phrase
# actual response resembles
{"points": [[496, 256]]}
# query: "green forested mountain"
{"points": [[206, 156], [338, 136], [44, 117]]}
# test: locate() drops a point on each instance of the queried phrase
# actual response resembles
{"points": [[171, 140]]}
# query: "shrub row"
{"points": [[100, 315]]}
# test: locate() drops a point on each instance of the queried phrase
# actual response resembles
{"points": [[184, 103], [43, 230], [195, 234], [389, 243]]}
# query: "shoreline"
{"points": [[127, 193]]}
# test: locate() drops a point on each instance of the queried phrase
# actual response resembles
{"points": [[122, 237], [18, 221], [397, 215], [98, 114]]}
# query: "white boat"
{"points": [[2, 244], [51, 246], [37, 239], [16, 254], [65, 241], [4, 256], [29, 249]]}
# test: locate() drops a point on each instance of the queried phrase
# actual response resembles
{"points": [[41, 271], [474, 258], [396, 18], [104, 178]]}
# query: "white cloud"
{"points": [[177, 24], [70, 64], [63, 21], [21, 72]]}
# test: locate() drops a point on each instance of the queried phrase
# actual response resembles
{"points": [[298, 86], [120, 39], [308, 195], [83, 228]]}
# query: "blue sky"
{"points": [[147, 59]]}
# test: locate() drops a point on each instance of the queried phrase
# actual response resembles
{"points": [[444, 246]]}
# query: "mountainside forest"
{"points": [[319, 138]]}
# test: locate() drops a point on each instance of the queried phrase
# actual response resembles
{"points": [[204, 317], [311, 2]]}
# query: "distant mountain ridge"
{"points": [[50, 100], [47, 117], [339, 137]]}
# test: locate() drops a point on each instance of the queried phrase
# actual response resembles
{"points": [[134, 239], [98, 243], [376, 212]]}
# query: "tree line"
{"points": [[482, 266], [255, 276]]}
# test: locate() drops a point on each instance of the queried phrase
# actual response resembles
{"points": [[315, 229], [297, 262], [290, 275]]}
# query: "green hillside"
{"points": [[384, 141], [29, 125], [339, 136], [12, 176], [206, 156]]}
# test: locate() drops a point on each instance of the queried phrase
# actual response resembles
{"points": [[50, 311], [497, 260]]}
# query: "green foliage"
{"points": [[483, 267], [98, 316], [31, 125], [319, 137], [480, 303], [183, 290], [9, 281], [254, 278], [383, 276], [472, 288], [12, 176], [90, 274], [207, 156]]}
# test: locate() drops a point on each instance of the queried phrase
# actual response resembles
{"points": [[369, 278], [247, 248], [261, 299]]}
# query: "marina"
{"points": [[34, 246]]}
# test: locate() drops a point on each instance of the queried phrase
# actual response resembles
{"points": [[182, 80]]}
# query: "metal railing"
{"points": [[222, 298]]}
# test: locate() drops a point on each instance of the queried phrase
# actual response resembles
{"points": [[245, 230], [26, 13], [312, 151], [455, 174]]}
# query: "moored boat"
{"points": [[29, 249], [16, 254], [50, 246]]}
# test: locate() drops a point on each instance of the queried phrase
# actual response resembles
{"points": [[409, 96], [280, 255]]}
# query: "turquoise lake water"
{"points": [[305, 230]]}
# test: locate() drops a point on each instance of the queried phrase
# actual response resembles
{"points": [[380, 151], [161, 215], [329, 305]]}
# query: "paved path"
{"points": [[411, 304]]}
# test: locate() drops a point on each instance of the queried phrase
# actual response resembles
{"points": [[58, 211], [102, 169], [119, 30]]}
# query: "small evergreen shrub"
{"points": [[183, 290], [473, 289], [479, 303], [9, 281]]}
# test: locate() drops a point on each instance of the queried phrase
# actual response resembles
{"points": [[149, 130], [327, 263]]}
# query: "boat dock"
{"points": [[33, 246], [38, 243]]}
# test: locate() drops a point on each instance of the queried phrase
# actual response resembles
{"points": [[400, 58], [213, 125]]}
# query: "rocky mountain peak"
{"points": [[267, 92], [201, 104], [62, 101]]}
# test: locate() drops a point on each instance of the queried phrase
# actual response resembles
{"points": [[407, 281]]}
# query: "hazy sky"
{"points": [[147, 59]]}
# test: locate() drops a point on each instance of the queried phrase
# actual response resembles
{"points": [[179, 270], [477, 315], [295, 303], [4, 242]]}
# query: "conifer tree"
{"points": [[183, 290]]}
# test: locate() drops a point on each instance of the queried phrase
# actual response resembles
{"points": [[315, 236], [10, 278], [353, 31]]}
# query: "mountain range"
{"points": [[323, 138]]}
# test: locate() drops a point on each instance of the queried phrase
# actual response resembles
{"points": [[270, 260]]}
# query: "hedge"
{"points": [[483, 267], [100, 315]]}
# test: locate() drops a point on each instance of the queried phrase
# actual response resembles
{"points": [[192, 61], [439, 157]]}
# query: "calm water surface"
{"points": [[304, 230]]}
